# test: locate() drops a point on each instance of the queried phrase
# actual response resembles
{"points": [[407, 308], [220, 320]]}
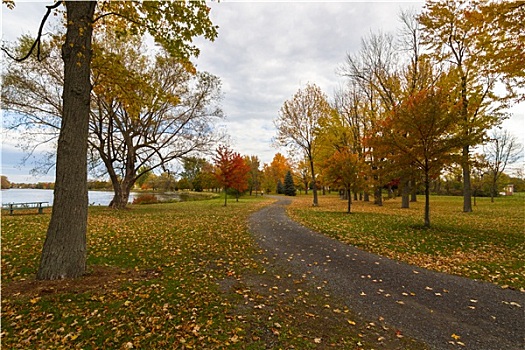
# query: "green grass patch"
{"points": [[487, 244], [173, 275]]}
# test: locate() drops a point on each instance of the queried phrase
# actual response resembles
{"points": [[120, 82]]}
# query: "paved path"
{"points": [[425, 305]]}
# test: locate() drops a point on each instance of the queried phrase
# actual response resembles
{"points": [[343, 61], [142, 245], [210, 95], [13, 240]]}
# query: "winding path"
{"points": [[433, 307]]}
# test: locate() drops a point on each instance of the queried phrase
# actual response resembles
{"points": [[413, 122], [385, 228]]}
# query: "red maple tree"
{"points": [[231, 171]]}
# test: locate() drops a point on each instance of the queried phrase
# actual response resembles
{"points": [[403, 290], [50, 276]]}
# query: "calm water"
{"points": [[16, 195]]}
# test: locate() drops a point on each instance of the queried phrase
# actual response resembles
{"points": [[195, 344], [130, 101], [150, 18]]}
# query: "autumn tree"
{"points": [[274, 172], [501, 150], [373, 91], [422, 132], [193, 172], [254, 178], [302, 171], [345, 168], [145, 112], [4, 184], [297, 125], [231, 171], [499, 39], [452, 32], [64, 252]]}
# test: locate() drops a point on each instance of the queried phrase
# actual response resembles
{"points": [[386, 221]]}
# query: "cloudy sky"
{"points": [[264, 53]]}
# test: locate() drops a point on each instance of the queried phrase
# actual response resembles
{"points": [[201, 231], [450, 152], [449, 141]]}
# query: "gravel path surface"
{"points": [[444, 311]]}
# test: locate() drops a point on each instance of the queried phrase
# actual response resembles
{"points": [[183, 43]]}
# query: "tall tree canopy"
{"points": [[298, 122], [422, 132], [456, 37]]}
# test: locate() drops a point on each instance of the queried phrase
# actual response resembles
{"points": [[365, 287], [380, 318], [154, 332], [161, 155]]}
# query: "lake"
{"points": [[22, 195]]}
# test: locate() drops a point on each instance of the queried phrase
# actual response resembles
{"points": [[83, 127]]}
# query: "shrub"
{"points": [[145, 199]]}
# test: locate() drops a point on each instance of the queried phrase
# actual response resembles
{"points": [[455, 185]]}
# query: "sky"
{"points": [[264, 53]]}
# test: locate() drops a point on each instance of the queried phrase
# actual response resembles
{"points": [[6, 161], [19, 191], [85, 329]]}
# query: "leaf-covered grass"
{"points": [[165, 276], [487, 244]]}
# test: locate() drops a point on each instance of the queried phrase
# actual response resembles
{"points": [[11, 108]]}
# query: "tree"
{"points": [[254, 180], [500, 40], [502, 149], [449, 30], [193, 168], [289, 186], [422, 132], [374, 90], [274, 172], [346, 169], [145, 113], [64, 252], [231, 171], [298, 122], [5, 183]]}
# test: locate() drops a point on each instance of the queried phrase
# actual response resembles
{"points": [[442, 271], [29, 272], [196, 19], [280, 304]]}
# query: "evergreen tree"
{"points": [[280, 187], [289, 186]]}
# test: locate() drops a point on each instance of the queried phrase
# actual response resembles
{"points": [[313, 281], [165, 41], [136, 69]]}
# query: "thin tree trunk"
{"points": [[427, 200], [493, 189], [349, 202], [314, 184], [467, 191], [64, 253]]}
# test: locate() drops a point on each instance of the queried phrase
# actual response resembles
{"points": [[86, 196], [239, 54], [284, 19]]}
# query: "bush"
{"points": [[145, 199]]}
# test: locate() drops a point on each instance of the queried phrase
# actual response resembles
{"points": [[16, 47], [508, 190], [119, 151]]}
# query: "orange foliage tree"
{"points": [[422, 132], [231, 171], [346, 169]]}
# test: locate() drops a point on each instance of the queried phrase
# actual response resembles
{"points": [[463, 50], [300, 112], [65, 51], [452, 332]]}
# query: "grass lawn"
{"points": [[178, 275], [487, 244]]}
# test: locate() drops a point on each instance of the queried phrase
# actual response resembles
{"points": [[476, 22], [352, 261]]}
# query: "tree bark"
{"points": [[427, 200], [413, 190], [349, 210], [121, 196], [64, 253], [378, 196], [405, 194], [467, 191], [314, 184]]}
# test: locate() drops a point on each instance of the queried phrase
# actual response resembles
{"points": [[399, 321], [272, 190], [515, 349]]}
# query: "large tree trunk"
{"points": [[467, 191], [64, 252], [121, 196]]}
